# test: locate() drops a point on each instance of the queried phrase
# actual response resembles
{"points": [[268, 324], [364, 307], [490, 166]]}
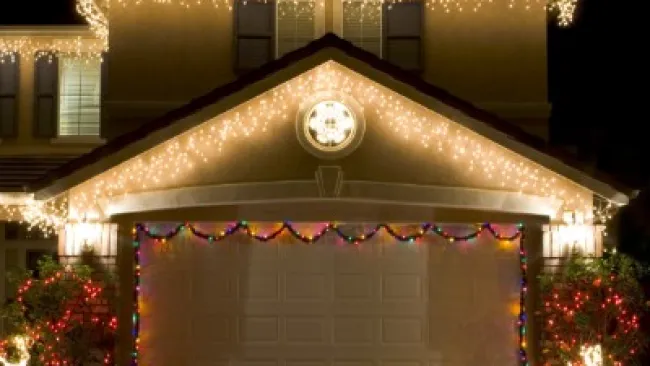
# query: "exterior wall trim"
{"points": [[350, 192]]}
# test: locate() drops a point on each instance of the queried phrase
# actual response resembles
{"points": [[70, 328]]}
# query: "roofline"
{"points": [[15, 198], [45, 30], [486, 123]]}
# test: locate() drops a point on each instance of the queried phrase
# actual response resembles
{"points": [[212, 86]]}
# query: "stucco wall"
{"points": [[164, 55]]}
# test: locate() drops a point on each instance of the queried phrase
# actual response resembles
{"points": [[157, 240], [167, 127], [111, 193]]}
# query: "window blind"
{"points": [[362, 24], [295, 25], [79, 97]]}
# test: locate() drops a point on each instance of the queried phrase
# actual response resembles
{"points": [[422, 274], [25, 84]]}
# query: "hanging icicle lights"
{"points": [[95, 12], [481, 161], [564, 9], [44, 216]]}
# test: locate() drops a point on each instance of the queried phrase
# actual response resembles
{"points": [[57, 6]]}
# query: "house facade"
{"points": [[403, 144], [49, 115]]}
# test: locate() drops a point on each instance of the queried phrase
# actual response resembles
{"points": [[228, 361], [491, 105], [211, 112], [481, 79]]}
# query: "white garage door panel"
{"points": [[381, 303]]}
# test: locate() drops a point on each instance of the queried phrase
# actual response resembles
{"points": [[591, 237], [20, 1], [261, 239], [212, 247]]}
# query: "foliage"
{"points": [[593, 301], [64, 314]]}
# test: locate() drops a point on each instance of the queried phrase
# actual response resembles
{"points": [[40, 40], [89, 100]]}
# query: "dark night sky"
{"points": [[596, 79]]}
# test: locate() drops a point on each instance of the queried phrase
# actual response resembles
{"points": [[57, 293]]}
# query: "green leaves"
{"points": [[593, 301], [59, 310]]}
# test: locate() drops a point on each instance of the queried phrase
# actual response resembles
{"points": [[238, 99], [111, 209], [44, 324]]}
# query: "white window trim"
{"points": [[80, 140]]}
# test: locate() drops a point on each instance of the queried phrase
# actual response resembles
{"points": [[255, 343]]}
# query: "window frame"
{"points": [[60, 96], [382, 26], [318, 23]]}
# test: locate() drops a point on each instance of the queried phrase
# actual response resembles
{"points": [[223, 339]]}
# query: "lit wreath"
{"points": [[330, 125]]}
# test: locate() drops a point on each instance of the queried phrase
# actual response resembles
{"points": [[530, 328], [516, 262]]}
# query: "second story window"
{"points": [[265, 30], [362, 25], [67, 96], [296, 24], [79, 97], [8, 95], [390, 31]]}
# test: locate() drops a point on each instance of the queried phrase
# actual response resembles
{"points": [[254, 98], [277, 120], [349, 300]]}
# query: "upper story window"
{"points": [[266, 29], [79, 97], [297, 22], [68, 93], [9, 81], [390, 31], [362, 25]]}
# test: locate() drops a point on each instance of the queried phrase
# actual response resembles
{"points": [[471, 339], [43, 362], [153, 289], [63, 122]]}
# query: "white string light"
{"points": [[48, 215], [479, 160], [564, 8], [44, 216], [95, 12], [22, 344], [34, 46]]}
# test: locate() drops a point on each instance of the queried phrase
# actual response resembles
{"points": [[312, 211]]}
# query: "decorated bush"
{"points": [[62, 317], [591, 312]]}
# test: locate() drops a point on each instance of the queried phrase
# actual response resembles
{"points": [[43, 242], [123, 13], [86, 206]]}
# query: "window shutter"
{"points": [[9, 81], [46, 95], [255, 26], [362, 24], [403, 31], [296, 25], [79, 97]]}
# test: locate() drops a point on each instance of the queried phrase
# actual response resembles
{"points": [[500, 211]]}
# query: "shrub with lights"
{"points": [[591, 312], [62, 317]]}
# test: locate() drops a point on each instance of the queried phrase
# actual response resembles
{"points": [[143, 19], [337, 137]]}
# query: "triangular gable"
{"points": [[436, 120]]}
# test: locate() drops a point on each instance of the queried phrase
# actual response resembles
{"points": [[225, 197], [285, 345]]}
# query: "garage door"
{"points": [[381, 302]]}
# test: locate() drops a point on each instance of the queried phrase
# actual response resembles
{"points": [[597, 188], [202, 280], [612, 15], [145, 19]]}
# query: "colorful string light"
{"points": [[244, 227], [87, 298], [583, 315]]}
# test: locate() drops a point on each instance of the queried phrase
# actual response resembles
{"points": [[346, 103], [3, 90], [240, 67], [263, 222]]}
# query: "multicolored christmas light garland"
{"points": [[245, 228]]}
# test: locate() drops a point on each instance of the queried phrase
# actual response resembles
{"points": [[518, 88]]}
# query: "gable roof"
{"points": [[329, 41]]}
